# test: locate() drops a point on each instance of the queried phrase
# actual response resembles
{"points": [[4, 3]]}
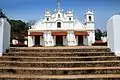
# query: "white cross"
{"points": [[58, 4]]}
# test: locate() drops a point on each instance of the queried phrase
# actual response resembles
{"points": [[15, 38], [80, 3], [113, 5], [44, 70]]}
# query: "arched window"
{"points": [[58, 24], [69, 19], [47, 19], [90, 19], [58, 15]]}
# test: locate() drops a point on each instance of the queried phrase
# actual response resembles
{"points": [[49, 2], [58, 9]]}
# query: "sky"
{"points": [[27, 10]]}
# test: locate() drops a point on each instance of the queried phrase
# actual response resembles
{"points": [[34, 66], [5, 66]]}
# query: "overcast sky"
{"points": [[34, 9]]}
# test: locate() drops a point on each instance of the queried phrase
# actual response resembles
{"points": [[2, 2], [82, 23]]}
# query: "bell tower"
{"points": [[90, 26], [89, 19]]}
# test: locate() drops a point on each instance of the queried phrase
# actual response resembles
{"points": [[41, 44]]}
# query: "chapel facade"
{"points": [[61, 28]]}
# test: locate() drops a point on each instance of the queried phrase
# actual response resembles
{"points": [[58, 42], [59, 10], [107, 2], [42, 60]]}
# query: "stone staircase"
{"points": [[67, 63]]}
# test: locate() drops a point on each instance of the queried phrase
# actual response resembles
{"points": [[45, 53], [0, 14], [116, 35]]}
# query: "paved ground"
{"points": [[61, 47]]}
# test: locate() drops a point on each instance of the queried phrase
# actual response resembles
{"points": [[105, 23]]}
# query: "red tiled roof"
{"points": [[59, 33], [83, 33], [36, 34]]}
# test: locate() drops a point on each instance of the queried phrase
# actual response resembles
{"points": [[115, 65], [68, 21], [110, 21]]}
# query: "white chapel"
{"points": [[61, 28]]}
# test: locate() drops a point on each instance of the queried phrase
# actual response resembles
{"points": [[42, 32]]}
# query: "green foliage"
{"points": [[98, 34], [104, 34], [18, 29]]}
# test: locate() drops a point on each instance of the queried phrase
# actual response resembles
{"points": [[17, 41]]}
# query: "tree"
{"points": [[98, 34], [104, 34], [18, 28], [30, 23]]}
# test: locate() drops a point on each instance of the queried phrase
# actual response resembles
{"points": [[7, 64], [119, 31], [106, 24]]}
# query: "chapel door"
{"points": [[80, 40], [37, 40], [59, 40]]}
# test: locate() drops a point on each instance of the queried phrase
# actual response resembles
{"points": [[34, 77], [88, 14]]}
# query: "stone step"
{"points": [[79, 49], [64, 64], [51, 59], [57, 52], [60, 63], [60, 71], [61, 54], [59, 77]]}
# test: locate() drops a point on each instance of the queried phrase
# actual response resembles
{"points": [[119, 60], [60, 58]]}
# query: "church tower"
{"points": [[90, 26], [89, 20]]}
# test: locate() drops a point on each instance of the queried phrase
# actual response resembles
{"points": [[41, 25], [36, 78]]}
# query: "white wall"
{"points": [[113, 31], [42, 41], [71, 38], [31, 41], [45, 38], [54, 40], [4, 35], [66, 24], [1, 36], [90, 26], [91, 37], [85, 40], [48, 39], [65, 43]]}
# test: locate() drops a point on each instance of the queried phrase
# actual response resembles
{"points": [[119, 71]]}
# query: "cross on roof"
{"points": [[58, 4]]}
